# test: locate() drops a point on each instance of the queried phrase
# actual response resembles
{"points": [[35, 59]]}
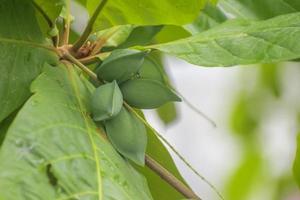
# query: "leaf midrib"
{"points": [[89, 130]]}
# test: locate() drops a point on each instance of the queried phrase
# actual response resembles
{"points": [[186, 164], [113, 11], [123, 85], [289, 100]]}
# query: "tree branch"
{"points": [[170, 178], [88, 29]]}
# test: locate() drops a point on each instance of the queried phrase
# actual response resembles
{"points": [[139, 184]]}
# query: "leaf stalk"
{"points": [[88, 29]]}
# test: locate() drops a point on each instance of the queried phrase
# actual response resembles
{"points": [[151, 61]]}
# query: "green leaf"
{"points": [[167, 113], [146, 93], [147, 12], [22, 53], [259, 9], [240, 42], [170, 33], [270, 78], [141, 35], [208, 18], [244, 119], [116, 35], [121, 65], [160, 189], [53, 150], [107, 101], [246, 177], [128, 136]]}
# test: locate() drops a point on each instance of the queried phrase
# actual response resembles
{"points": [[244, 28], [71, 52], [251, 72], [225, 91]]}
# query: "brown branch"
{"points": [[88, 29], [170, 178]]}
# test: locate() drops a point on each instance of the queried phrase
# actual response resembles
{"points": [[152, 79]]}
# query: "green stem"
{"points": [[90, 73], [88, 29], [66, 23], [196, 110], [94, 58]]}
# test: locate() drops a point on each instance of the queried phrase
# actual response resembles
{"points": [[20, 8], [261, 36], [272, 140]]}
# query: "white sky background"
{"points": [[214, 152]]}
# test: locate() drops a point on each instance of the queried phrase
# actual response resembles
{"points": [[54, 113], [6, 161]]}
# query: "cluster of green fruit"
{"points": [[130, 76]]}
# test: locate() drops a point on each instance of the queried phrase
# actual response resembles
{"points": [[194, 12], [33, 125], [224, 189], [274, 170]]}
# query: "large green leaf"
{"points": [[53, 150], [259, 9], [240, 42], [21, 53], [147, 12]]}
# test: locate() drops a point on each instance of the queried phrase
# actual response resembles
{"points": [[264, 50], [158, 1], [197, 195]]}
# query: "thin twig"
{"points": [[88, 29], [90, 73], [170, 178], [48, 20], [196, 110], [102, 40], [94, 58], [66, 24]]}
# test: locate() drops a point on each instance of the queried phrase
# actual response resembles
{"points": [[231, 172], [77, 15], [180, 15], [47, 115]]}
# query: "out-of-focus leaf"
{"points": [[53, 150], [167, 113], [296, 168], [160, 190], [240, 42], [147, 12], [245, 178], [270, 78], [141, 35], [116, 35], [22, 53], [208, 18], [259, 9], [245, 116], [170, 33]]}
